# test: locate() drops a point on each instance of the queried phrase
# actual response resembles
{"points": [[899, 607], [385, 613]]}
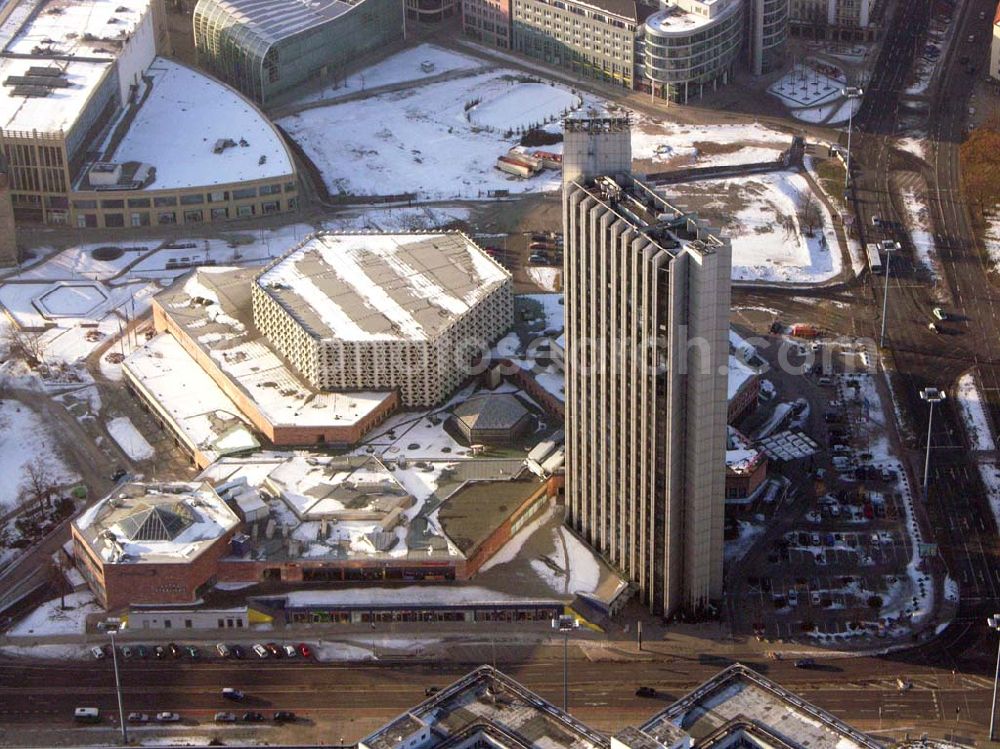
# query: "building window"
{"points": [[192, 199], [166, 624], [221, 623], [140, 219], [194, 217], [165, 201], [271, 206], [187, 623], [245, 210], [247, 192], [112, 204], [168, 217], [138, 202], [220, 214], [220, 196], [114, 220], [82, 204]]}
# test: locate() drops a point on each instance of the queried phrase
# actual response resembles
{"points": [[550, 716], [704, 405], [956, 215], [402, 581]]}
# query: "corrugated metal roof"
{"points": [[274, 20]]}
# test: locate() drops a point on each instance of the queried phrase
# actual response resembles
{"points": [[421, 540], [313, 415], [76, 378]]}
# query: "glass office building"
{"points": [[690, 45], [266, 47]]}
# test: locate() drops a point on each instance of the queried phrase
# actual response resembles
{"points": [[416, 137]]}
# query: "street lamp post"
{"points": [[885, 294], [565, 624], [118, 686], [851, 92], [932, 396], [993, 623]]}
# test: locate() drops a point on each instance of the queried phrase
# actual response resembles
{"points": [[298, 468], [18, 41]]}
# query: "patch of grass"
{"points": [[980, 161], [709, 148], [830, 174]]}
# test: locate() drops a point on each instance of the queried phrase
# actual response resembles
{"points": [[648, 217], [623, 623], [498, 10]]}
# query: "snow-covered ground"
{"points": [[546, 278], [805, 86], [130, 439], [415, 64], [973, 409], [674, 144], [25, 439], [992, 238], [915, 145], [918, 222], [51, 619], [761, 216]]}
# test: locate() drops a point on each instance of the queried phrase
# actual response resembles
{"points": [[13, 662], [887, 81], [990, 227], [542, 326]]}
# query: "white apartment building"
{"points": [[843, 20], [647, 291]]}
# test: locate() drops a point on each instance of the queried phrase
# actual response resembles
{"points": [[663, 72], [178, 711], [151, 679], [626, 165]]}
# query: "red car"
{"points": [[304, 650], [274, 650]]}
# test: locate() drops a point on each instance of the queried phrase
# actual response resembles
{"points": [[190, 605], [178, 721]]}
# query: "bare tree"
{"points": [[26, 345], [810, 215], [58, 570], [38, 482]]}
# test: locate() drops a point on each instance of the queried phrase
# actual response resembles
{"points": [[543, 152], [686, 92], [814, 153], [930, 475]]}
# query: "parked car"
{"points": [[259, 650], [97, 652], [138, 718], [274, 650], [175, 651], [142, 651], [304, 650], [127, 652], [223, 650], [167, 717], [193, 652], [645, 691], [231, 693], [238, 652], [118, 473], [939, 313], [253, 717], [160, 652], [283, 715], [805, 663], [430, 691], [225, 717], [290, 650]]}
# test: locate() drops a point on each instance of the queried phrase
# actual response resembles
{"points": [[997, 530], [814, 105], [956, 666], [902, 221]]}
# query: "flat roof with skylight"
{"points": [[46, 96], [96, 28]]}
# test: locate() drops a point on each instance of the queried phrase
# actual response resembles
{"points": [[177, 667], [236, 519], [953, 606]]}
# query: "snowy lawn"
{"points": [[977, 423], [766, 216], [129, 439], [26, 439], [422, 61], [51, 619], [919, 224], [672, 144]]}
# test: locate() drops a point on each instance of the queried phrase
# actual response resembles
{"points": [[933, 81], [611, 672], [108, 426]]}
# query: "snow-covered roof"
{"points": [[161, 523], [370, 287], [204, 414], [489, 411], [178, 125], [274, 20], [739, 375], [683, 17], [58, 111], [738, 695], [741, 461], [212, 306], [84, 28]]}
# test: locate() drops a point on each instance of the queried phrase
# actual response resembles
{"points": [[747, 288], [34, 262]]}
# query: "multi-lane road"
{"points": [[337, 699]]}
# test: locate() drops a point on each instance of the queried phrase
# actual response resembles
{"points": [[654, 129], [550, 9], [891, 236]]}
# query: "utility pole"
{"points": [[851, 92], [994, 623], [885, 294], [932, 396], [565, 625], [118, 686]]}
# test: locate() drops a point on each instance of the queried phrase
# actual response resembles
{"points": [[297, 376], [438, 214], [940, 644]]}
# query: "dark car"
{"points": [[253, 717], [142, 651], [283, 715], [238, 651], [160, 652], [231, 693], [174, 650], [193, 652], [118, 474], [304, 650], [274, 650], [805, 663], [431, 691], [646, 692]]}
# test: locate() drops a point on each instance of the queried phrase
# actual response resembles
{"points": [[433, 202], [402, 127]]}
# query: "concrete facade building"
{"points": [[647, 292], [487, 21], [689, 45], [595, 39], [766, 34], [385, 312], [995, 48], [8, 231], [841, 20], [429, 11], [266, 47]]}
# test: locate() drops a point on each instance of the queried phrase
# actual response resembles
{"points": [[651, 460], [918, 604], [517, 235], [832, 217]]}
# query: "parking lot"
{"points": [[836, 560]]}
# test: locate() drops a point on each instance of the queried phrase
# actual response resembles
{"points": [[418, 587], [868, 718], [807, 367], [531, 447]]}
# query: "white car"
{"points": [[939, 313], [97, 652], [290, 651], [260, 650], [167, 717]]}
